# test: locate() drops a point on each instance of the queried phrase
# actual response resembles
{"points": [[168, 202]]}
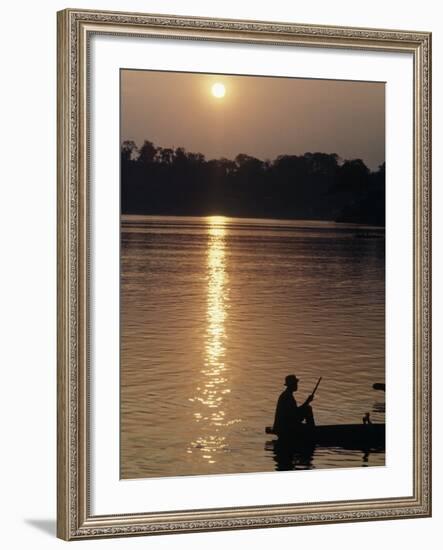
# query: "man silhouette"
{"points": [[288, 415]]}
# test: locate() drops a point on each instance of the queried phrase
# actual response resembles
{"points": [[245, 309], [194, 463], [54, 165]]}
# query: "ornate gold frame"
{"points": [[75, 27]]}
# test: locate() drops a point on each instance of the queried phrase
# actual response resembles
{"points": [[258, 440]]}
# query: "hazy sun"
{"points": [[218, 90]]}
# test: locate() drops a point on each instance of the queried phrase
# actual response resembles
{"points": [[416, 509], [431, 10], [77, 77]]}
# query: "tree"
{"points": [[147, 153], [128, 150], [351, 173], [165, 156]]}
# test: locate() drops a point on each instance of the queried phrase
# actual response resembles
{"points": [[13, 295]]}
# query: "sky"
{"points": [[259, 116]]}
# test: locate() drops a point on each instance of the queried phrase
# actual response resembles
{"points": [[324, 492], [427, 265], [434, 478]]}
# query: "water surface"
{"points": [[215, 312]]}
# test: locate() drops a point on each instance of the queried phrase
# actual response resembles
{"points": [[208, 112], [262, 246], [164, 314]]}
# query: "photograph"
{"points": [[252, 274]]}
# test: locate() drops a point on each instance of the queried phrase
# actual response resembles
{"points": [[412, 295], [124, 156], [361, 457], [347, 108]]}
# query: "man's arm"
{"points": [[308, 400]]}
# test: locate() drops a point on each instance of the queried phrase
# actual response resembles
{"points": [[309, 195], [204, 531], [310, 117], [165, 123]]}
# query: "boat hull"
{"points": [[349, 436]]}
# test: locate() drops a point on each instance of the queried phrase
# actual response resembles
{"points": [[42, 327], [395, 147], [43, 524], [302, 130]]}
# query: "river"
{"points": [[215, 312]]}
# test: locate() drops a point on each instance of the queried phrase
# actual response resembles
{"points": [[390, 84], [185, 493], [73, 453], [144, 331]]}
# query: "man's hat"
{"points": [[291, 379]]}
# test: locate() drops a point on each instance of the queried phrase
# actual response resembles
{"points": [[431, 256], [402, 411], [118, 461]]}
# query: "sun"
{"points": [[218, 90]]}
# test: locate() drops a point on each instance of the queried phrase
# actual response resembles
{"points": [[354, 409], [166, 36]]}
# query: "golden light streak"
{"points": [[212, 390]]}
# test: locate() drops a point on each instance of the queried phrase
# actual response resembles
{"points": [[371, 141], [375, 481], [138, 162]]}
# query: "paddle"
{"points": [[316, 386], [311, 397]]}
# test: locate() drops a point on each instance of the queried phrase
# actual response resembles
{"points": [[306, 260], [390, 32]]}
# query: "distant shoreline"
{"points": [[313, 186], [308, 222]]}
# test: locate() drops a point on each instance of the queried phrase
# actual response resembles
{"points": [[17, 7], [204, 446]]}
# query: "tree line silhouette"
{"points": [[165, 181]]}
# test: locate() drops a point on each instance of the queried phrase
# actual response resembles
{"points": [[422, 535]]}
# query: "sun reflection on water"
{"points": [[214, 385]]}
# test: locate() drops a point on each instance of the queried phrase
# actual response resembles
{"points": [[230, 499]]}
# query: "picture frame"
{"points": [[77, 252]]}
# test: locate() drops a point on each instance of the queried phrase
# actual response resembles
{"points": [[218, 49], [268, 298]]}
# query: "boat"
{"points": [[348, 436]]}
